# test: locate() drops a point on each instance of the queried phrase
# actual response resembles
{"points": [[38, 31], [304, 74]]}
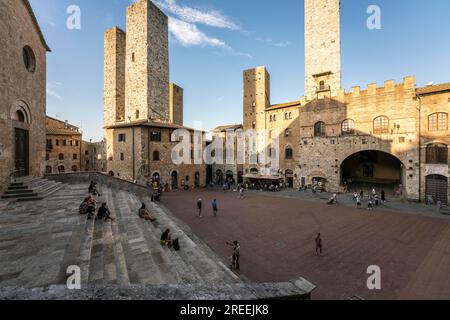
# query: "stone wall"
{"points": [[323, 156], [126, 156], [430, 104], [21, 89], [322, 46]]}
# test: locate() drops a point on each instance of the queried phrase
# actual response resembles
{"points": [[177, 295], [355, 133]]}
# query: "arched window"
{"points": [[137, 114], [20, 116], [61, 169], [438, 122], [75, 169], [381, 125], [319, 129], [348, 127], [156, 156], [289, 153], [437, 154], [61, 156], [48, 169]]}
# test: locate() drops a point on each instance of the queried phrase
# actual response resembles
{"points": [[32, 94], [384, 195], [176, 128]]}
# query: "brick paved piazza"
{"points": [[277, 237]]}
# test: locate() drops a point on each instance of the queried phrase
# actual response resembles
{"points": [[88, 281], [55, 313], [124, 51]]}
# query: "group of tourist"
{"points": [[373, 200], [214, 205], [89, 205]]}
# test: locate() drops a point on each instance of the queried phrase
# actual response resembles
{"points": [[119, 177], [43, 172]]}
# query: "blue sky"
{"points": [[212, 42]]}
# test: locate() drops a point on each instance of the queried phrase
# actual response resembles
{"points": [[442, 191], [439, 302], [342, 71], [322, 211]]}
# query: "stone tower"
{"points": [[176, 104], [322, 48], [114, 76], [147, 63], [256, 101], [256, 98]]}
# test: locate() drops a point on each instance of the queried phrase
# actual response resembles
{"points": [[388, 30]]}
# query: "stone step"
{"points": [[19, 191], [19, 195], [149, 255], [51, 189], [20, 187], [212, 271], [122, 277]]}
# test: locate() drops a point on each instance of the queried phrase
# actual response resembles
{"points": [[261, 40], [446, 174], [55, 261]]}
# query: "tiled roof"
{"points": [[284, 105], [65, 132], [36, 24], [433, 89], [147, 123], [228, 127]]}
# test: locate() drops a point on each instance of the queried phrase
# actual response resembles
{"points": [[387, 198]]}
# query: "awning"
{"points": [[258, 177]]}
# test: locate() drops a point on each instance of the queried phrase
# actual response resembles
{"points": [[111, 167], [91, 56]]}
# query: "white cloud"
{"points": [[187, 34], [270, 42], [52, 88], [212, 18]]}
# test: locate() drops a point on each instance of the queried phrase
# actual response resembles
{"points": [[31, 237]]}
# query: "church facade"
{"points": [[23, 53], [393, 137]]}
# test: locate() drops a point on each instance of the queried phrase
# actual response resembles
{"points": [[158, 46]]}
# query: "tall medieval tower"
{"points": [[322, 48], [256, 101], [147, 63], [114, 76]]}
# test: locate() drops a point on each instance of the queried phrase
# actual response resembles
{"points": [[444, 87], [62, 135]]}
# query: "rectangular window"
{"points": [[57, 142], [155, 136], [86, 152], [77, 143], [75, 156], [47, 156], [122, 157], [64, 142], [122, 137]]}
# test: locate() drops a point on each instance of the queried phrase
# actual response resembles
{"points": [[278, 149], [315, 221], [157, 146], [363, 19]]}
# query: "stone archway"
{"points": [[372, 169]]}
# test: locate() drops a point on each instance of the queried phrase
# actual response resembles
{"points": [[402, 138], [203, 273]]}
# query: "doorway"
{"points": [[21, 153], [174, 180]]}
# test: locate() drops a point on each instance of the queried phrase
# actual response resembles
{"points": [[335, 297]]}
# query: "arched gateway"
{"points": [[373, 169]]}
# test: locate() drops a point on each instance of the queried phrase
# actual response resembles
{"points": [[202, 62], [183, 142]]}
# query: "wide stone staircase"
{"points": [[118, 259], [30, 189]]}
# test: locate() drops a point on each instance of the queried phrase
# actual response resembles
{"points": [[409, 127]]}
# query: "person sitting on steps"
{"points": [[145, 214], [104, 213], [93, 189], [90, 204], [166, 239]]}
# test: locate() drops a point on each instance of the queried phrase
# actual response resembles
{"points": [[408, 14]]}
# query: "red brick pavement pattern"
{"points": [[277, 238]]}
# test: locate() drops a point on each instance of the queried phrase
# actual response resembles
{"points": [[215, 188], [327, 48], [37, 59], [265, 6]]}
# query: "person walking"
{"points": [[358, 202], [241, 193], [370, 204], [383, 196], [215, 207], [199, 207], [319, 244]]}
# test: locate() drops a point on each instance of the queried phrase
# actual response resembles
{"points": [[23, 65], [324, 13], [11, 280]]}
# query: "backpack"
{"points": [[176, 244]]}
